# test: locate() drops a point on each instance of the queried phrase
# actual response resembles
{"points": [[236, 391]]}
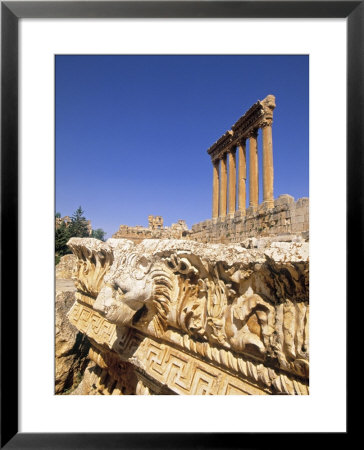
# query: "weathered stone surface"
{"points": [[71, 346], [284, 219], [64, 268], [100, 379], [191, 318]]}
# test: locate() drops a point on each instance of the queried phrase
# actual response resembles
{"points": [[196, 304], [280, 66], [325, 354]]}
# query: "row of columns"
{"points": [[222, 186]]}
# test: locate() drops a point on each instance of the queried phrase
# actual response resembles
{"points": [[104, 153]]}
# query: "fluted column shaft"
{"points": [[215, 190], [268, 196], [232, 181], [242, 177], [223, 185], [253, 171]]}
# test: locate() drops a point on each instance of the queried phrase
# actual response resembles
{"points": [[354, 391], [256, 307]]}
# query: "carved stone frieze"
{"points": [[223, 309]]}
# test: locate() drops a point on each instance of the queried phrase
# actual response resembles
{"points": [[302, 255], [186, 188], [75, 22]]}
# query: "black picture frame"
{"points": [[11, 12]]}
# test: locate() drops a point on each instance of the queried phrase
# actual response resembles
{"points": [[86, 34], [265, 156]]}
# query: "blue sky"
{"points": [[132, 131]]}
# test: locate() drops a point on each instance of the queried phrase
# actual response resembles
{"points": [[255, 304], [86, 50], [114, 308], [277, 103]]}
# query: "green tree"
{"points": [[78, 226], [99, 233], [61, 238]]}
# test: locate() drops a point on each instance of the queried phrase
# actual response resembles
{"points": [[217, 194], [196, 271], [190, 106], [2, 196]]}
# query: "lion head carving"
{"points": [[138, 288]]}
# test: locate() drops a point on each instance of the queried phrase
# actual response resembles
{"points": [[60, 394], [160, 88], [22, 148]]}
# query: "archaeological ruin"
{"points": [[231, 221], [221, 309], [155, 230]]}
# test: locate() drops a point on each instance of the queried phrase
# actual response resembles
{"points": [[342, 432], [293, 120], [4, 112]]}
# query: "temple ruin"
{"points": [[231, 220], [259, 116], [221, 309], [155, 229]]}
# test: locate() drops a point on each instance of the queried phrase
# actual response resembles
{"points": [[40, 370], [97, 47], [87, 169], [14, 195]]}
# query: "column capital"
{"points": [[253, 133], [266, 123], [268, 104]]}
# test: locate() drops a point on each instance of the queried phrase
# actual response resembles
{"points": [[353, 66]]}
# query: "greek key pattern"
{"points": [[92, 324], [182, 373], [179, 371], [187, 375]]}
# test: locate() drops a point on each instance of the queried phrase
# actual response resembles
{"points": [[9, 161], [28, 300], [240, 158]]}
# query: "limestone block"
{"points": [[284, 199], [302, 202], [71, 346], [301, 211], [239, 215], [305, 236], [250, 243], [298, 227], [65, 267]]}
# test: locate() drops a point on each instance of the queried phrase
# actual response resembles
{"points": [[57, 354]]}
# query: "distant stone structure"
{"points": [[66, 220], [155, 222], [155, 230]]}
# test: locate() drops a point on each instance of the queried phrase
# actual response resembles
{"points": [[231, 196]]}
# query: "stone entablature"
{"points": [[223, 153], [155, 230], [181, 317], [287, 218]]}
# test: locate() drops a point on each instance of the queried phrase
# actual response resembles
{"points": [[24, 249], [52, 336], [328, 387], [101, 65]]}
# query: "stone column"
{"points": [[242, 177], [232, 181], [268, 197], [215, 190], [223, 180], [253, 170]]}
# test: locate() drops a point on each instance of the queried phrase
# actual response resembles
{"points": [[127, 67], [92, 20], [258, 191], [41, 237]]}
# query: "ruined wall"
{"points": [[155, 230], [182, 317], [286, 218], [155, 222]]}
